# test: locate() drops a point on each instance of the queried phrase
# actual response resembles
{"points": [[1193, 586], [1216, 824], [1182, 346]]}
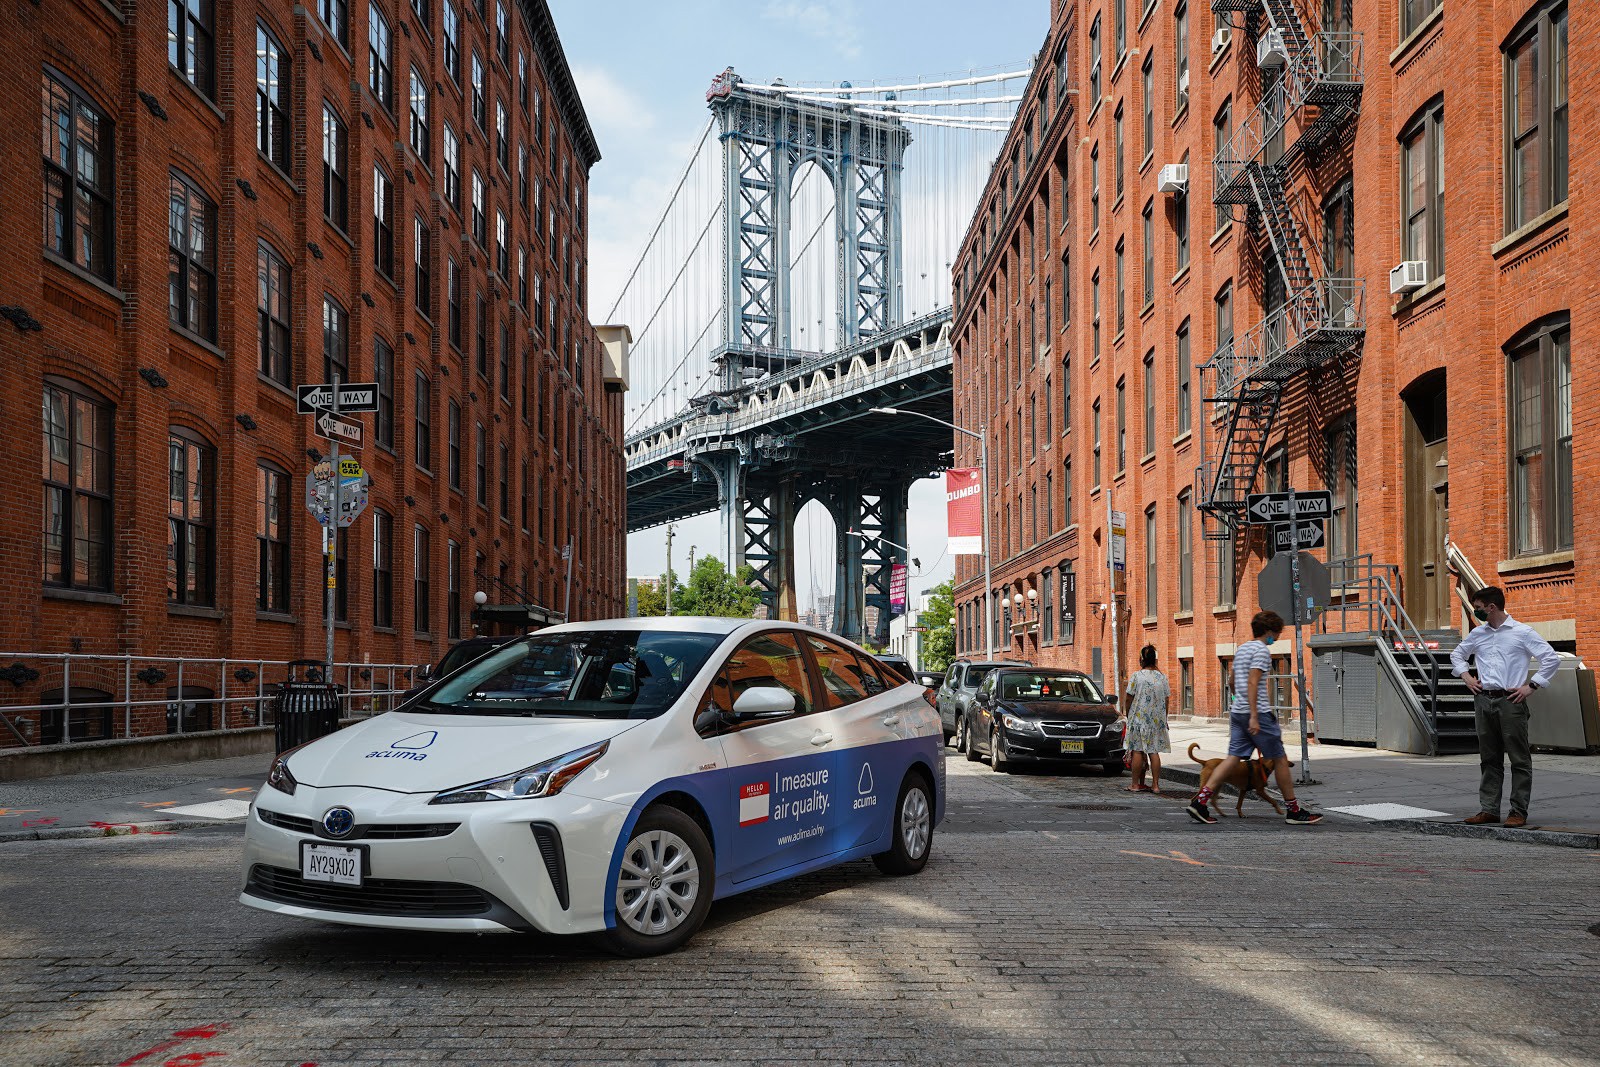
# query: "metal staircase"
{"points": [[1318, 94]]}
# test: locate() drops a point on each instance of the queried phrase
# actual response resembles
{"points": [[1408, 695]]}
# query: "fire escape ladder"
{"points": [[1272, 202], [1249, 424]]}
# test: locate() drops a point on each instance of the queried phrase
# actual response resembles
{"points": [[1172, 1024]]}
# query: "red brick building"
{"points": [[215, 203], [1099, 317]]}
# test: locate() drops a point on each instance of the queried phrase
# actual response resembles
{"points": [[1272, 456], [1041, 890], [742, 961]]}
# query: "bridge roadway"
{"points": [[801, 429]]}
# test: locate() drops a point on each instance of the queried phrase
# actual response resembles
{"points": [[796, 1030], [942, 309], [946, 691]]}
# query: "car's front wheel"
{"points": [[997, 752], [664, 886], [913, 828], [964, 740]]}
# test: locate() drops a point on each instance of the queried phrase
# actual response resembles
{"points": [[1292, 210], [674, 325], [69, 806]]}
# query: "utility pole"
{"points": [[330, 532], [1111, 596], [566, 607], [671, 531], [1299, 663], [691, 562]]}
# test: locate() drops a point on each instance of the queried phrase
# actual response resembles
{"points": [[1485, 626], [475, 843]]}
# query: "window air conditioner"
{"points": [[1270, 50], [1174, 178], [1220, 39], [1410, 275]]}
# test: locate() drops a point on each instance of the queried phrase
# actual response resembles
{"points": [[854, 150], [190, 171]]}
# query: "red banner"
{"points": [[964, 510]]}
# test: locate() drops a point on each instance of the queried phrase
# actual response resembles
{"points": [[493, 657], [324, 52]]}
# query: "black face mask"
{"points": [[1480, 614]]}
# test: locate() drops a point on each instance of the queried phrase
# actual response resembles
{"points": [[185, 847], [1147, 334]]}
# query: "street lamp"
{"points": [[915, 562], [982, 437]]}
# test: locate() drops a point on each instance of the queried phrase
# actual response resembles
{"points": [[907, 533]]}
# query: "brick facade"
{"points": [[1436, 362], [543, 401]]}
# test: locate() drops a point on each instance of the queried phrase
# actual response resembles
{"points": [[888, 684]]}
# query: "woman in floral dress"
{"points": [[1148, 696]]}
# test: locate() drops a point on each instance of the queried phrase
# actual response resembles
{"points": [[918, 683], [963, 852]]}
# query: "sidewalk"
{"points": [[143, 800], [1441, 790]]}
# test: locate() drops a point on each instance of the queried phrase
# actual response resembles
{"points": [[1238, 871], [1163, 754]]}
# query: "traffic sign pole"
{"points": [[330, 534], [1299, 661]]}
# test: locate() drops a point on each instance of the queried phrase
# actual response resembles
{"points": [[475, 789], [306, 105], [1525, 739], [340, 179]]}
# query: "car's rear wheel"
{"points": [[913, 828], [664, 886], [964, 742]]}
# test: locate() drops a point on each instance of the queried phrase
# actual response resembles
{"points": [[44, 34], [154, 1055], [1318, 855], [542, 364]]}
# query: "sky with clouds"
{"points": [[643, 69]]}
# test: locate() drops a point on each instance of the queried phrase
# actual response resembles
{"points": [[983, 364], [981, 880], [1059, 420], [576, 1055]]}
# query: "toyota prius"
{"points": [[611, 778]]}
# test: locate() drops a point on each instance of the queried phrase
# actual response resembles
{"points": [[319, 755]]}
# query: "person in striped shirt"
{"points": [[1252, 727]]}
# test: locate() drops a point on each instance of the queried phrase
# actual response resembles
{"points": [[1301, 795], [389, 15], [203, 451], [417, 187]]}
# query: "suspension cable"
{"points": [[671, 200]]}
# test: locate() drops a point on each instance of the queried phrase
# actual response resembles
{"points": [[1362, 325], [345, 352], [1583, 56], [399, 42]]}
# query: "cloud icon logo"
{"points": [[422, 740]]}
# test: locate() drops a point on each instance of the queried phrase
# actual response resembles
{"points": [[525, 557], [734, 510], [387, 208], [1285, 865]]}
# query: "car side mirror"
{"points": [[426, 673], [1111, 698], [763, 702]]}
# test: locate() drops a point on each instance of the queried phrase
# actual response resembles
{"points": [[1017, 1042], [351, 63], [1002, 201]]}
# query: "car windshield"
{"points": [[459, 655], [1024, 686], [634, 674], [975, 677]]}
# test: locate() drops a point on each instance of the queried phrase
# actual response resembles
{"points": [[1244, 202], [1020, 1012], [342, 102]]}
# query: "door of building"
{"points": [[1427, 579]]}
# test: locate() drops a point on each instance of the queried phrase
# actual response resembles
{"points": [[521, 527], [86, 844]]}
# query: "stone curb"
{"points": [[1557, 838], [120, 829]]}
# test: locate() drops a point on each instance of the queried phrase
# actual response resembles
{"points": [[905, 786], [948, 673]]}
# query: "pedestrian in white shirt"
{"points": [[1501, 650]]}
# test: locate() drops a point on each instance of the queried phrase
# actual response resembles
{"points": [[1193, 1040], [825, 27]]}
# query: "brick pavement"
{"points": [[1071, 943]]}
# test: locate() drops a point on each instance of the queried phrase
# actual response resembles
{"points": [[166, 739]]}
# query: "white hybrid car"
{"points": [[611, 777]]}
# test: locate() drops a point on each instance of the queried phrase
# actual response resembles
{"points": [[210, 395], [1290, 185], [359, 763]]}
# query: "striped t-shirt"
{"points": [[1252, 655]]}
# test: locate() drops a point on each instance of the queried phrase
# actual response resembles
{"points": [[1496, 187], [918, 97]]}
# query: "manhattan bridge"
{"points": [[798, 278]]}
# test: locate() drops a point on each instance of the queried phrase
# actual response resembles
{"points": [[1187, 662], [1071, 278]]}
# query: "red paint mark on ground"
{"points": [[241, 789], [179, 1037], [157, 803], [40, 822], [192, 1059]]}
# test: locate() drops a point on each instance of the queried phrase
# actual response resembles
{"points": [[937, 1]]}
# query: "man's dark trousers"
{"points": [[1502, 734]]}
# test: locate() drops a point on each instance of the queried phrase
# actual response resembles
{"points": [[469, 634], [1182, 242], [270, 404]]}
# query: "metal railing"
{"points": [[112, 697], [1327, 304]]}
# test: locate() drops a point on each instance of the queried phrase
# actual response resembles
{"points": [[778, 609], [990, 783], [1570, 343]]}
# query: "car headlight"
{"points": [[541, 780], [278, 776], [1116, 726], [1019, 726]]}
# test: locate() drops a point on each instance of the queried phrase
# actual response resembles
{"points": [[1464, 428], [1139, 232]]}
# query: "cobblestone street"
{"points": [[1044, 931]]}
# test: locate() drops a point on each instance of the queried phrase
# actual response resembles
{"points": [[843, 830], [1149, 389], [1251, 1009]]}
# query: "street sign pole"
{"points": [[1299, 662], [330, 535], [1111, 596], [566, 606]]}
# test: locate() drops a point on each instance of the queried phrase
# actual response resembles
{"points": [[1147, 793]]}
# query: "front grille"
{"points": [[398, 831], [375, 896], [1085, 730]]}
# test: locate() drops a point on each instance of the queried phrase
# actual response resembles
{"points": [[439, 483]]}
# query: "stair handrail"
{"points": [[1467, 579]]}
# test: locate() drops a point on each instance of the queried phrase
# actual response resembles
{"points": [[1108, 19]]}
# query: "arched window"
{"points": [[191, 518], [77, 487]]}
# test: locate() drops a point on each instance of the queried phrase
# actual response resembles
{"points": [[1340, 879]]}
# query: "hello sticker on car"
{"points": [[755, 803]]}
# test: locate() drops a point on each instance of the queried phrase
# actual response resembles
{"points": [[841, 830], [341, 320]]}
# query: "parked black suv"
{"points": [[1029, 714]]}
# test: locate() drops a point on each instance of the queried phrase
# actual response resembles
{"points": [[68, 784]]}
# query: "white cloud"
{"points": [[834, 21], [612, 107]]}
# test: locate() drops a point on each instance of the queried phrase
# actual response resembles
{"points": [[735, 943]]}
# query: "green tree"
{"points": [[653, 599], [713, 591], [939, 643]]}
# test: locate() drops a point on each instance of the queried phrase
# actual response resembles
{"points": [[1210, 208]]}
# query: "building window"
{"points": [[191, 267], [1185, 379], [191, 519], [272, 98], [1185, 551], [78, 173], [1221, 135], [451, 22], [1150, 403], [1339, 475], [379, 75], [523, 497], [502, 29], [383, 367], [1094, 190], [453, 296], [1095, 467], [505, 360], [421, 142], [1339, 251], [1118, 170], [522, 275], [1047, 607], [1066, 284], [1541, 438], [1122, 303], [1049, 503], [189, 42], [422, 434], [1149, 234], [382, 568], [480, 217], [505, 483], [502, 245], [1180, 225], [522, 80], [522, 176], [1094, 63], [1122, 425], [382, 222], [272, 298], [452, 577], [502, 136], [77, 488], [336, 16], [272, 540], [1422, 188], [453, 445], [335, 182], [1536, 116], [1094, 319], [335, 341], [1151, 576], [420, 9], [452, 168], [480, 462], [1180, 52], [1186, 686], [483, 335], [1147, 92], [421, 568], [479, 105], [422, 257], [1066, 394], [1121, 24]]}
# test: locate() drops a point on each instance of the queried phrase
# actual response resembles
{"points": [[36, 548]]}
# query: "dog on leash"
{"points": [[1251, 776]]}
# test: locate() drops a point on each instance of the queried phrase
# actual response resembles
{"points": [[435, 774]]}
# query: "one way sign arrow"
{"points": [[1311, 535], [347, 431]]}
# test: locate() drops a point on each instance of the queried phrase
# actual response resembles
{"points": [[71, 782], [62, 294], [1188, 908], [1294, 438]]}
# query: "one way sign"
{"points": [[1311, 535], [1274, 507], [353, 396], [347, 431]]}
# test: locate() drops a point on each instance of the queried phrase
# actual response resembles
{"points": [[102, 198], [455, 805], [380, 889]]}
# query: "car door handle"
{"points": [[822, 739], [891, 720]]}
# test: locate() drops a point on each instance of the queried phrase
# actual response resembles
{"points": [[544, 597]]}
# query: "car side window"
{"points": [[843, 679], [874, 678], [770, 659]]}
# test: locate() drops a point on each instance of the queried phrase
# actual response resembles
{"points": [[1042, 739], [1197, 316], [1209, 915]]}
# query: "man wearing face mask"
{"points": [[1503, 648]]}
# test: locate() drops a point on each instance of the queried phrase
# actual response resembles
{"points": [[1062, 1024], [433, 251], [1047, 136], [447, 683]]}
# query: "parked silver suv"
{"points": [[961, 682]]}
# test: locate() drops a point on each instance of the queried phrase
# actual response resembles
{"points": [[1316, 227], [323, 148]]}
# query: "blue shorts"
{"points": [[1268, 740]]}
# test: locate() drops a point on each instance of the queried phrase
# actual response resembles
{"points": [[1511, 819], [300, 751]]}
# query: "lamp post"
{"points": [[915, 562], [982, 437]]}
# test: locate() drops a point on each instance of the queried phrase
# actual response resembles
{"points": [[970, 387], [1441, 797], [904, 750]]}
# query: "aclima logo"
{"points": [[406, 747], [960, 494]]}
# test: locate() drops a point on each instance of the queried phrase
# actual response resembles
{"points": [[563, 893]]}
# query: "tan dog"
{"points": [[1251, 776]]}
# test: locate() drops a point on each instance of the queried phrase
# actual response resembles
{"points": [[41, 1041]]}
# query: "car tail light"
{"points": [[927, 694]]}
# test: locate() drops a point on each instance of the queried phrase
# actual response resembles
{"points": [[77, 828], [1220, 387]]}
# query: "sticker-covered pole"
{"points": [[330, 534]]}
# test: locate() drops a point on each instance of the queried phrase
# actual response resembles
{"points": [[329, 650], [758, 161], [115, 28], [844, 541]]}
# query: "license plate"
{"points": [[1072, 746], [335, 864]]}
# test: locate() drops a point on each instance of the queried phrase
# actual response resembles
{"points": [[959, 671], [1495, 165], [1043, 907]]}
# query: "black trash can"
{"points": [[306, 707]]}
